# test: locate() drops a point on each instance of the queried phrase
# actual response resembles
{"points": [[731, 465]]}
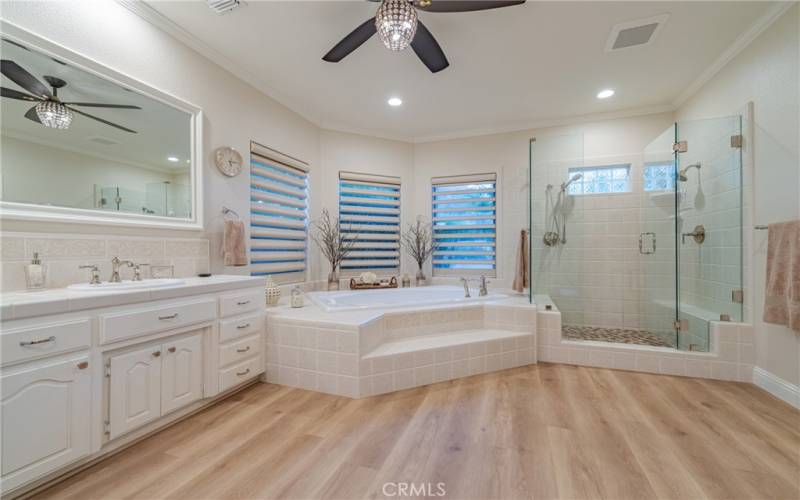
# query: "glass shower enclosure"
{"points": [[641, 248]]}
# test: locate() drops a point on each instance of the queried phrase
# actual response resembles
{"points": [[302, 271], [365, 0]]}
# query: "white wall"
{"points": [[766, 74]]}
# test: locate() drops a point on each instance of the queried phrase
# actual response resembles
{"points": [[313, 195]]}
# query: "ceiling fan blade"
{"points": [[351, 42], [16, 94], [101, 105], [87, 115], [27, 81], [428, 50], [465, 5], [31, 115]]}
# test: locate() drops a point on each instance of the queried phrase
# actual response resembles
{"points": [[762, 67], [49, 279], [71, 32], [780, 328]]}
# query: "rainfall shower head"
{"points": [[682, 174], [565, 185]]}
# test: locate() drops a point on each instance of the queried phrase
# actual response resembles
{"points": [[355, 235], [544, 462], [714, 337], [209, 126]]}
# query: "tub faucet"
{"points": [[483, 292], [115, 265], [465, 282]]}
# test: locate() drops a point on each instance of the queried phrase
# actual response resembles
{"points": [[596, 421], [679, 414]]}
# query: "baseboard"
{"points": [[776, 386]]}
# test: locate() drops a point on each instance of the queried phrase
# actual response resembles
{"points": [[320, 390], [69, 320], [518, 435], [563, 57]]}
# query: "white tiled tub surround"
{"points": [[63, 253], [731, 357], [369, 353]]}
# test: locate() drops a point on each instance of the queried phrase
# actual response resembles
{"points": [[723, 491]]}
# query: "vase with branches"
{"points": [[418, 241], [332, 243]]}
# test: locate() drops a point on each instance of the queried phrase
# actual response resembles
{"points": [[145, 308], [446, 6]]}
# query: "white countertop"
{"points": [[25, 304]]}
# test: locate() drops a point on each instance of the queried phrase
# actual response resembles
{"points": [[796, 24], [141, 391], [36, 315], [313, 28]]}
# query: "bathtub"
{"points": [[351, 300]]}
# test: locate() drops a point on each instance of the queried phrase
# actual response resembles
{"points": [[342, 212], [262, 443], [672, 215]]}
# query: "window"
{"points": [[464, 224], [369, 213], [601, 180], [278, 215], [659, 176]]}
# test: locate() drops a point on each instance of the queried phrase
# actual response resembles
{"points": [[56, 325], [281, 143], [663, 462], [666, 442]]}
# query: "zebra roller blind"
{"points": [[464, 224], [369, 212], [278, 215]]}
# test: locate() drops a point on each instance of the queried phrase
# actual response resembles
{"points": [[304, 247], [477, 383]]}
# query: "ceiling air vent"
{"points": [[223, 6], [105, 141], [635, 33]]}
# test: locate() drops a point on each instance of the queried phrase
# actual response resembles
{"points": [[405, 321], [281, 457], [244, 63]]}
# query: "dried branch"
{"points": [[418, 241], [331, 240]]}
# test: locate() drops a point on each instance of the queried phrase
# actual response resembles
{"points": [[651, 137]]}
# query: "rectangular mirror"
{"points": [[80, 144]]}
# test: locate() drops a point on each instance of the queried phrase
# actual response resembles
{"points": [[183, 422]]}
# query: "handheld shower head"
{"points": [[565, 185], [682, 173]]}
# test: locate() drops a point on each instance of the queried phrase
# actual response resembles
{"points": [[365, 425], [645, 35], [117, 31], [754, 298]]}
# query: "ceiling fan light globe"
{"points": [[396, 22], [54, 115]]}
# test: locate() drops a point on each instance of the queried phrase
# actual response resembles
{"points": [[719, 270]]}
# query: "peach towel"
{"points": [[782, 303], [522, 271], [234, 248]]}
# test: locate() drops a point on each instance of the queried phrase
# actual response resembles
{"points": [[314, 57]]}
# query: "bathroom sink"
{"points": [[127, 285]]}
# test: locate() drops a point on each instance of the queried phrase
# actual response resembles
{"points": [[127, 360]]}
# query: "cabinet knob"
{"points": [[157, 354], [171, 349], [83, 365]]}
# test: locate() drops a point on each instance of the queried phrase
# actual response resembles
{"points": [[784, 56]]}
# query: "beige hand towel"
{"points": [[522, 271], [782, 302], [234, 247]]}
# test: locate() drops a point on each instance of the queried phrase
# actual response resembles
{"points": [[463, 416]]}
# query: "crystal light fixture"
{"points": [[54, 114], [396, 22]]}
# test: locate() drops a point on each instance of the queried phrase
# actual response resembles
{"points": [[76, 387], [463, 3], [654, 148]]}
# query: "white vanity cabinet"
{"points": [[45, 417], [181, 373]]}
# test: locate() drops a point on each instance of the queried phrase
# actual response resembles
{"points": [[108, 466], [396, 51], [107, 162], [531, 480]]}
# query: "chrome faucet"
{"points": [[483, 292], [465, 282], [137, 271], [115, 265], [95, 274]]}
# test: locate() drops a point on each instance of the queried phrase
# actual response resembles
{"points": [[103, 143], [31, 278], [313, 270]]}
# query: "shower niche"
{"points": [[642, 248]]}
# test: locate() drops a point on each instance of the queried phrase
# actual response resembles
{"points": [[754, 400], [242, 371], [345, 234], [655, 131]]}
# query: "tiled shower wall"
{"points": [[62, 254]]}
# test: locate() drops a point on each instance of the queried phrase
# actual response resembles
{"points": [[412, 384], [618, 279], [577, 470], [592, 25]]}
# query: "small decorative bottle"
{"points": [[406, 281], [273, 292], [35, 273], [297, 297]]}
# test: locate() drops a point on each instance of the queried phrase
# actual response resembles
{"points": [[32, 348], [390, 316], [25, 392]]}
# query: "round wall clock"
{"points": [[228, 161]]}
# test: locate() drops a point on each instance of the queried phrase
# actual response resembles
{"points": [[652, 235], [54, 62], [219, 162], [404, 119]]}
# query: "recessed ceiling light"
{"points": [[172, 158], [605, 94], [395, 101]]}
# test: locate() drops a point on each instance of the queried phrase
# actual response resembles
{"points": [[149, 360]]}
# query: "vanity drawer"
{"points": [[235, 328], [236, 374], [241, 302], [139, 322], [45, 339], [239, 350]]}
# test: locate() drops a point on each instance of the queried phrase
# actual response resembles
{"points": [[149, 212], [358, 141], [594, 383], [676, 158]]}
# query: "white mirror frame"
{"points": [[46, 213]]}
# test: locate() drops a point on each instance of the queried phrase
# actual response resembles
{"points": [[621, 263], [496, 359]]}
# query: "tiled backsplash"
{"points": [[62, 254]]}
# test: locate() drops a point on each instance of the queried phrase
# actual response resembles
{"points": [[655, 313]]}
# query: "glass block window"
{"points": [[659, 176], [278, 215], [601, 180], [464, 224], [369, 212]]}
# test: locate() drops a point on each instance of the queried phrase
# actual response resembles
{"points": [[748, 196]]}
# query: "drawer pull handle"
{"points": [[171, 349], [243, 303], [157, 354], [242, 327], [243, 350], [83, 365], [171, 316], [239, 374], [26, 343]]}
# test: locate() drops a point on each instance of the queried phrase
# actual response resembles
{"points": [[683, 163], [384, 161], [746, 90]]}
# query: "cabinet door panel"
{"points": [[182, 373], [135, 389], [45, 419]]}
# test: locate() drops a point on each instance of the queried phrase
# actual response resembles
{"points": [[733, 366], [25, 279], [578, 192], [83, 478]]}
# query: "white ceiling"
{"points": [[510, 67]]}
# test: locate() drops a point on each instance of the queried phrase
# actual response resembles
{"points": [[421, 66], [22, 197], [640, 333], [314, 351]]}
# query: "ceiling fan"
{"points": [[50, 110], [398, 26]]}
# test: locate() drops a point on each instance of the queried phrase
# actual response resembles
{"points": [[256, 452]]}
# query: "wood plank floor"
{"points": [[546, 431]]}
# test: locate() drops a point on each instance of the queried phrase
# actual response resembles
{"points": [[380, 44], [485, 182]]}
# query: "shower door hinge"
{"points": [[737, 296], [736, 141], [680, 147], [681, 324]]}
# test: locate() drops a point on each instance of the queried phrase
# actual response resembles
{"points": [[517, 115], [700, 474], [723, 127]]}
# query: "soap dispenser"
{"points": [[35, 273]]}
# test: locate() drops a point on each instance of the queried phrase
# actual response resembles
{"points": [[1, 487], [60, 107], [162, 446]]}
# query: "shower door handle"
{"points": [[641, 244]]}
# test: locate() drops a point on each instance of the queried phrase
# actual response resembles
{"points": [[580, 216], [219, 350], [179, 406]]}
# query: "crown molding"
{"points": [[155, 18], [745, 39]]}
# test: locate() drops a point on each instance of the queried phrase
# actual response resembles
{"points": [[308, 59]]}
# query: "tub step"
{"points": [[463, 337]]}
